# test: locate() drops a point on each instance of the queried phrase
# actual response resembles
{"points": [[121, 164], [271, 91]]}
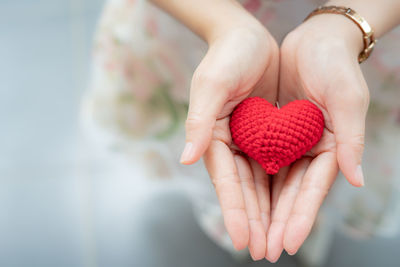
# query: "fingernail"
{"points": [[272, 260], [187, 153], [291, 253], [359, 175]]}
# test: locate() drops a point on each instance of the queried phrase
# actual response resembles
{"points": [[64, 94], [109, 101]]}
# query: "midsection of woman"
{"points": [[143, 63]]}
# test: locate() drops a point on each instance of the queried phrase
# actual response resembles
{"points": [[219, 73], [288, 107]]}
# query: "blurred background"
{"points": [[66, 202]]}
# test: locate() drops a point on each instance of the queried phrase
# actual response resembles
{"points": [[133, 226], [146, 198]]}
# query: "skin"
{"points": [[338, 89], [241, 184], [317, 61]]}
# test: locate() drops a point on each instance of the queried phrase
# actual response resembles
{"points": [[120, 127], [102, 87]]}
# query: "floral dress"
{"points": [[143, 60]]}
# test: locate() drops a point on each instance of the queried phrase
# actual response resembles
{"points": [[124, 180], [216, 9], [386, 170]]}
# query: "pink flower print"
{"points": [[140, 78], [397, 116], [387, 170], [136, 73], [252, 5], [109, 65], [267, 15], [152, 26], [384, 63], [175, 74]]}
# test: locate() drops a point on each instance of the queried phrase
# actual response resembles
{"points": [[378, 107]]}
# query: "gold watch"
{"points": [[367, 31]]}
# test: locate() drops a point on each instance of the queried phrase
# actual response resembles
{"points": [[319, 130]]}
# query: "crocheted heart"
{"points": [[276, 137]]}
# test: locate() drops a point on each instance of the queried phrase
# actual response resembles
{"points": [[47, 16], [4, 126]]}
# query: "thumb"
{"points": [[208, 96], [348, 113]]}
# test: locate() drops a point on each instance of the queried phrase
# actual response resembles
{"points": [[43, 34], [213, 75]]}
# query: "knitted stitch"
{"points": [[276, 137]]}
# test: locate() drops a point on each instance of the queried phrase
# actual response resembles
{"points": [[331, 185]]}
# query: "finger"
{"points": [[207, 99], [257, 242], [347, 110], [262, 181], [278, 181], [222, 169], [316, 183], [283, 208]]}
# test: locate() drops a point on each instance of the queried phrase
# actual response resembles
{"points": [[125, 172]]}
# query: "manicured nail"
{"points": [[359, 175], [187, 153]]}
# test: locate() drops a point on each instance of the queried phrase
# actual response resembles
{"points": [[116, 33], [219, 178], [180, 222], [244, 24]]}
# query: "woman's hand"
{"points": [[240, 63], [237, 63], [319, 63]]}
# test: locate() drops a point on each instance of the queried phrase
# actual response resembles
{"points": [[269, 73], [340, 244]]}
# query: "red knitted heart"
{"points": [[276, 137]]}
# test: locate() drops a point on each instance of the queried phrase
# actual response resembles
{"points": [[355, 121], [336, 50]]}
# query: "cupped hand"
{"points": [[241, 62], [319, 63]]}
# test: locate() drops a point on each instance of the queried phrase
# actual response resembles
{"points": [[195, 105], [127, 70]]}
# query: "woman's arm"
{"points": [[208, 18], [382, 15]]}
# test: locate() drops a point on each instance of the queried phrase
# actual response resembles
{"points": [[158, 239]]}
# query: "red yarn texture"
{"points": [[276, 137]]}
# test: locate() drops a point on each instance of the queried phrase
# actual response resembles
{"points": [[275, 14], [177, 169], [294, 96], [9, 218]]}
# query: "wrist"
{"points": [[237, 19], [209, 18], [335, 28]]}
